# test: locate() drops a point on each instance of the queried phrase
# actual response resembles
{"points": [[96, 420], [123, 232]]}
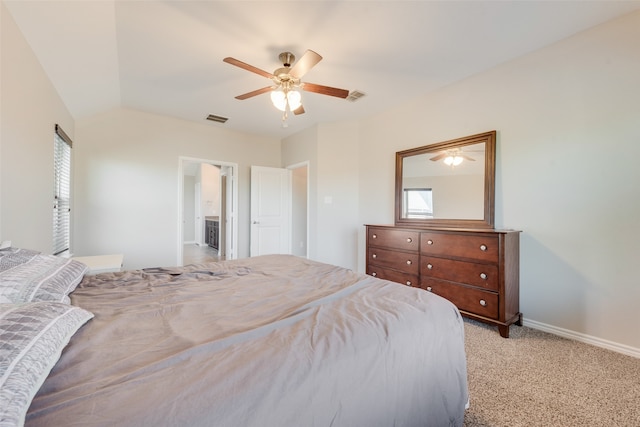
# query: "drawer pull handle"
{"points": [[374, 274], [374, 256], [483, 248], [408, 262], [483, 276], [409, 240], [374, 236], [429, 266], [483, 303], [429, 242], [428, 288], [408, 283]]}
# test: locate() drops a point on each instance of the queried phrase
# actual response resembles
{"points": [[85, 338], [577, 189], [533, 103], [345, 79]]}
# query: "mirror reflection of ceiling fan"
{"points": [[452, 157], [285, 95]]}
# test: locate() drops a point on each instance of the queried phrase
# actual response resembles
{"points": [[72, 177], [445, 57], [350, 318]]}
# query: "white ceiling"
{"points": [[166, 57]]}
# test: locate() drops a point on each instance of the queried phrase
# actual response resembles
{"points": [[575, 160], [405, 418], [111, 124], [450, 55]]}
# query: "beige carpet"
{"points": [[537, 379]]}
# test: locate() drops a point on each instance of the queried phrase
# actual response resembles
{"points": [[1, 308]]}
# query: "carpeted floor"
{"points": [[534, 378]]}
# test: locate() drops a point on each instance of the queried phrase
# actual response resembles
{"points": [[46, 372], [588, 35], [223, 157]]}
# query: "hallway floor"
{"points": [[195, 254]]}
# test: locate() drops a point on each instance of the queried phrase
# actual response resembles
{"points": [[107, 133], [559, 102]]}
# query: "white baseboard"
{"points": [[598, 342], [190, 242]]}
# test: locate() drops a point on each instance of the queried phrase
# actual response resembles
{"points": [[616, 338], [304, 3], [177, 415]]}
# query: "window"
{"points": [[418, 203], [61, 191]]}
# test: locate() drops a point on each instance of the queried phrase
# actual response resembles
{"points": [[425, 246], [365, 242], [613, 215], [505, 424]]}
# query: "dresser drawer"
{"points": [[473, 300], [392, 275], [476, 247], [472, 273], [404, 261], [393, 238]]}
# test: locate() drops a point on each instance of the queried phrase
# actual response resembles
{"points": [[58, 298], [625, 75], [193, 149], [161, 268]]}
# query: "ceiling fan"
{"points": [[286, 81], [452, 157]]}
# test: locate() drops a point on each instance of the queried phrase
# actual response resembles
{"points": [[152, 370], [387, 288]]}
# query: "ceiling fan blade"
{"points": [[439, 157], [471, 159], [299, 110], [254, 93], [247, 67], [304, 64], [325, 90]]}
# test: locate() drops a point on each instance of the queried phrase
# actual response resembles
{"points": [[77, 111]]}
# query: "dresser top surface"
{"points": [[448, 229]]}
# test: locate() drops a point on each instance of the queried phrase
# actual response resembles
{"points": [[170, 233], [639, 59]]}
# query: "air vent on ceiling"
{"points": [[355, 95], [218, 119]]}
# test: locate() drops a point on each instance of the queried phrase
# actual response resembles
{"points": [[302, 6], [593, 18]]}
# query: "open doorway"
{"points": [[300, 209], [207, 220]]}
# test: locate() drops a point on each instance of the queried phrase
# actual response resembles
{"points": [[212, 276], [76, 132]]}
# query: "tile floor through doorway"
{"points": [[196, 254]]}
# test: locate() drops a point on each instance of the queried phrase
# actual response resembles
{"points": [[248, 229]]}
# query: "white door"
{"points": [[270, 211]]}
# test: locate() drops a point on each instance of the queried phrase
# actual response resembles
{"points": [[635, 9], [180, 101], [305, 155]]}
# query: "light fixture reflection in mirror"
{"points": [[456, 156], [453, 160]]}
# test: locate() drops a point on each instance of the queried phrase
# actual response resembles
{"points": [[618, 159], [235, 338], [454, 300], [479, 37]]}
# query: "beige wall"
{"points": [[210, 179], [332, 152], [127, 181], [298, 148], [189, 209], [299, 210], [30, 108], [338, 194]]}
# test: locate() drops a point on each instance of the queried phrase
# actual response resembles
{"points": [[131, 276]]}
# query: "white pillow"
{"points": [[32, 336], [29, 276], [11, 257]]}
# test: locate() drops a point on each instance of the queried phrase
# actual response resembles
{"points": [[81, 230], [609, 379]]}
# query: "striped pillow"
{"points": [[12, 257], [39, 277], [32, 337]]}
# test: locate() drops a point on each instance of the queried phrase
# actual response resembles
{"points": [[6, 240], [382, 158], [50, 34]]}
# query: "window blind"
{"points": [[62, 191]]}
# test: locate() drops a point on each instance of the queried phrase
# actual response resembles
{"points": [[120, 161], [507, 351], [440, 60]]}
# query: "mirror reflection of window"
{"points": [[418, 203]]}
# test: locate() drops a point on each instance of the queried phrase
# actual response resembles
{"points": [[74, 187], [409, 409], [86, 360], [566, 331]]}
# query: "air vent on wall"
{"points": [[355, 95], [218, 119]]}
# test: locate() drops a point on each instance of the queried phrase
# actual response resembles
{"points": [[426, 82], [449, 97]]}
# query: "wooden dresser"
{"points": [[477, 270]]}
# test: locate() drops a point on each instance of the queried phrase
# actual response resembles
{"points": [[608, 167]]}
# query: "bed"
{"points": [[275, 340]]}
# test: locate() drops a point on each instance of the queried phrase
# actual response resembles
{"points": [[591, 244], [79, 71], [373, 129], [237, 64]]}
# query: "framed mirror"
{"points": [[447, 184]]}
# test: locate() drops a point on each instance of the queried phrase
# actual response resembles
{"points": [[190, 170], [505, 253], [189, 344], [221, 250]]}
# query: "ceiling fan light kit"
{"points": [[285, 95], [279, 99], [283, 99], [294, 99], [452, 157]]}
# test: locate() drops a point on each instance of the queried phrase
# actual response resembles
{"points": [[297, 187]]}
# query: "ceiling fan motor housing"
{"points": [[287, 58], [282, 74]]}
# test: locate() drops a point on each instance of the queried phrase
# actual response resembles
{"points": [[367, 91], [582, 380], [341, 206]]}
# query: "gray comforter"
{"points": [[266, 341]]}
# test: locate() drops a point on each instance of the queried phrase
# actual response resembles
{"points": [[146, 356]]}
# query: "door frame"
{"points": [[231, 226], [305, 164]]}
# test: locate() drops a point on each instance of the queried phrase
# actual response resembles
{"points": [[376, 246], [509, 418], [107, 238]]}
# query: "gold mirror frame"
{"points": [[489, 139]]}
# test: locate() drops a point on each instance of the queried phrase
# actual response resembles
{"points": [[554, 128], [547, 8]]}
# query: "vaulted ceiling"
{"points": [[166, 57]]}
